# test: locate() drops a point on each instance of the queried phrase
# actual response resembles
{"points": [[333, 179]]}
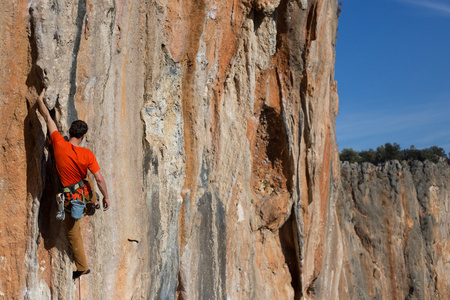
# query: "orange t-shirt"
{"points": [[72, 162]]}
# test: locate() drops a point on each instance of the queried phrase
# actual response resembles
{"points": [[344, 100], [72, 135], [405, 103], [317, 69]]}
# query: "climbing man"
{"points": [[72, 163]]}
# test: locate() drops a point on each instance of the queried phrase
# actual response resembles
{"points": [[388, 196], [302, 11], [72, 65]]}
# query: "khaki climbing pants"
{"points": [[73, 231]]}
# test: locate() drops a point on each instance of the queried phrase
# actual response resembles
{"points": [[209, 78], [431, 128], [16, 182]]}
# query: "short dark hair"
{"points": [[78, 129]]}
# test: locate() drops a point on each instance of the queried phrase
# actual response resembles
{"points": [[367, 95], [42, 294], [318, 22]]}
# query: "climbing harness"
{"points": [[76, 195], [74, 189]]}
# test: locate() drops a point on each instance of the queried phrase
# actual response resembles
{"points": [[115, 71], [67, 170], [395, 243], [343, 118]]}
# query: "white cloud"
{"points": [[434, 5]]}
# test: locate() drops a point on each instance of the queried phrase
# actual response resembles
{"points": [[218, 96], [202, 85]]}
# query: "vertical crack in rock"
{"points": [[72, 114], [37, 166], [290, 247], [43, 211], [298, 213], [305, 123], [305, 92]]}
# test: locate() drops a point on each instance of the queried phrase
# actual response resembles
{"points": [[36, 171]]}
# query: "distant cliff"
{"points": [[395, 226]]}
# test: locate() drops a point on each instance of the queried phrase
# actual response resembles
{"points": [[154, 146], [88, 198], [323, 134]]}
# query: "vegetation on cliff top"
{"points": [[392, 151]]}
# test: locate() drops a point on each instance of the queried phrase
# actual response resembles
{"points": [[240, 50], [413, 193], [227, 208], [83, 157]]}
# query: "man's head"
{"points": [[78, 129]]}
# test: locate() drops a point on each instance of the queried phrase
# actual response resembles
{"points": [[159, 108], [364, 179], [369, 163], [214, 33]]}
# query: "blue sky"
{"points": [[393, 74]]}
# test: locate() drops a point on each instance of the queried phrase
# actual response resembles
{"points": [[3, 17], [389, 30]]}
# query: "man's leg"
{"points": [[76, 242]]}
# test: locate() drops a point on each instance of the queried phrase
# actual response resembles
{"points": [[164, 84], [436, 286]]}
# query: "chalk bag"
{"points": [[77, 209]]}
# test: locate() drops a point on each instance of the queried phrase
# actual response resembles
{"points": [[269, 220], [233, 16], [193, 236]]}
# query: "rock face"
{"points": [[395, 226], [214, 125]]}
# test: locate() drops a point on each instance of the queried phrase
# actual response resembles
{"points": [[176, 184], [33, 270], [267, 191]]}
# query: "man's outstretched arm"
{"points": [[46, 114], [102, 186]]}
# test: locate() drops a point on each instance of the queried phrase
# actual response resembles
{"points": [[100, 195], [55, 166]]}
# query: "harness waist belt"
{"points": [[72, 188]]}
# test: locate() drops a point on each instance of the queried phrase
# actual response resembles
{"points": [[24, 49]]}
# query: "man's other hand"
{"points": [[105, 204]]}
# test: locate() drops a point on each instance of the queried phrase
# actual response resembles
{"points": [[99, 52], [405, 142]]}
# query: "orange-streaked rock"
{"points": [[213, 124]]}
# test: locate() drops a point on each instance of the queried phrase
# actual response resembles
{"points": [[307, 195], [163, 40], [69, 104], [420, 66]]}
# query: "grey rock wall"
{"points": [[395, 225]]}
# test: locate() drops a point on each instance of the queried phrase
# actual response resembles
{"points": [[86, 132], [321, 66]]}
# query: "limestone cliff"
{"points": [[395, 226], [214, 125]]}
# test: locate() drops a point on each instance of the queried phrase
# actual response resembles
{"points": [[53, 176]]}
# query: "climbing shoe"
{"points": [[77, 274]]}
